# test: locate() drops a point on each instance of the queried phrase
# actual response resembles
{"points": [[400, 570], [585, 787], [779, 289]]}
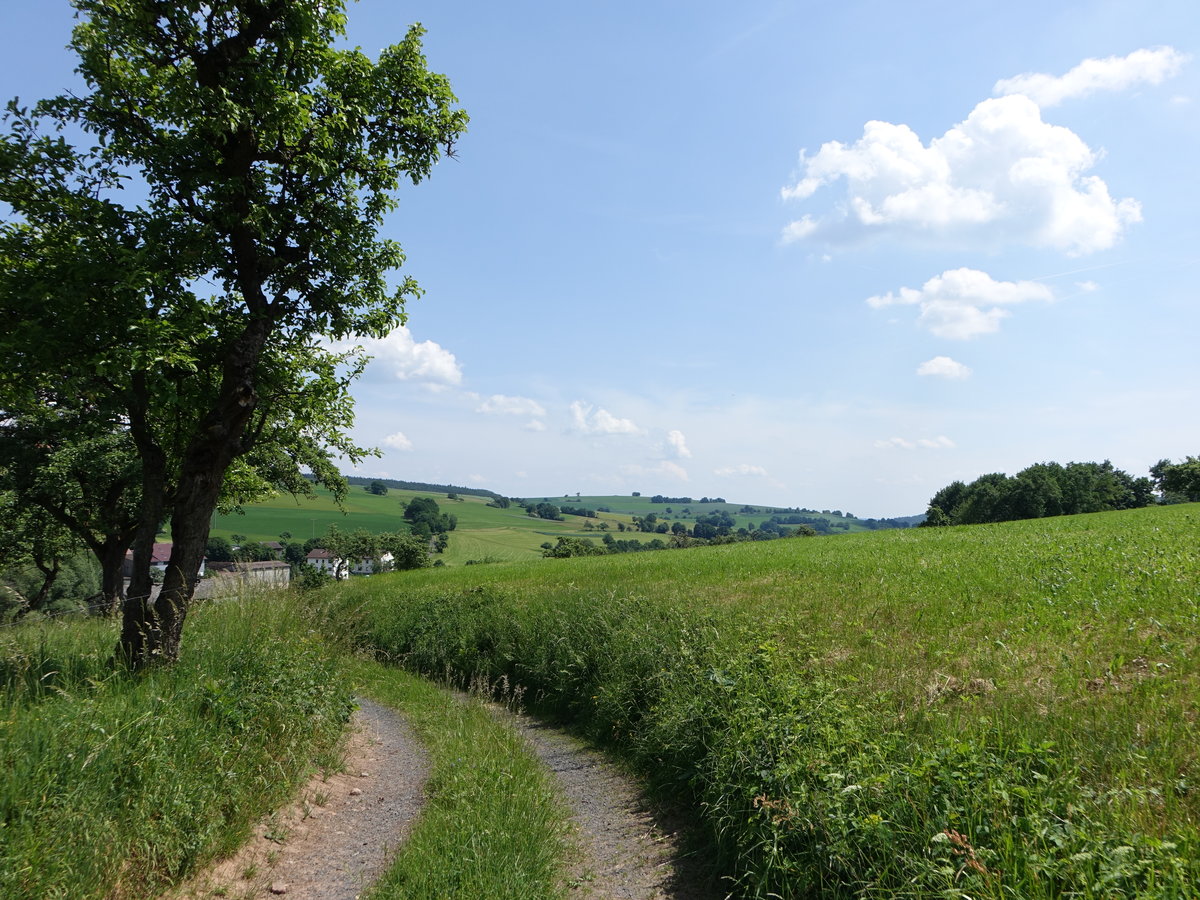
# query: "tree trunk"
{"points": [[152, 630], [112, 576], [49, 576], [139, 622]]}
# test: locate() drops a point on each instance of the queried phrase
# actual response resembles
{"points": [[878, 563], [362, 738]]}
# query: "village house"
{"points": [[159, 557], [324, 561], [271, 573]]}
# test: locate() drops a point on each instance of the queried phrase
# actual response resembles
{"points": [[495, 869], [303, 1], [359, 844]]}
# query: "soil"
{"points": [[632, 849], [342, 831]]}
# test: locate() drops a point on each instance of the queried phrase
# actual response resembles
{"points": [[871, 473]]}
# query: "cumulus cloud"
{"points": [[963, 303], [499, 404], [742, 469], [398, 441], [1002, 175], [943, 367], [678, 444], [535, 425], [1113, 73], [590, 420], [941, 442], [409, 360]]}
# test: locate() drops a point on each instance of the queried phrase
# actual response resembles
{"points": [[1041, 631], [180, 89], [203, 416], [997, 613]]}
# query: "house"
{"points": [[325, 561], [368, 566], [271, 573], [159, 556], [275, 547]]}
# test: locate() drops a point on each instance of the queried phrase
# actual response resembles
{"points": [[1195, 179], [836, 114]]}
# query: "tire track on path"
{"points": [[632, 851], [341, 834]]}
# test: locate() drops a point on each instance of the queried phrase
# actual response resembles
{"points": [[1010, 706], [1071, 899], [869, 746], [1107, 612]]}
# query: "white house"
{"points": [[325, 561]]}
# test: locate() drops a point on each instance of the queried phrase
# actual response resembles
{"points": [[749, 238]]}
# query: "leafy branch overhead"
{"points": [[180, 282]]}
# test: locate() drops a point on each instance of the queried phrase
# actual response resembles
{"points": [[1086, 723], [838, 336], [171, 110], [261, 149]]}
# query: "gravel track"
{"points": [[341, 834], [631, 849]]}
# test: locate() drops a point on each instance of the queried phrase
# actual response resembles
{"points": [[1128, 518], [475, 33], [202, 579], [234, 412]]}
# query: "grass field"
{"points": [[991, 711], [626, 506], [483, 532], [116, 785]]}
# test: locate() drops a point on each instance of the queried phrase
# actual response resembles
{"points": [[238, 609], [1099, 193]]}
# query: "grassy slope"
{"points": [[494, 824], [625, 506], [483, 531], [118, 785], [1007, 708]]}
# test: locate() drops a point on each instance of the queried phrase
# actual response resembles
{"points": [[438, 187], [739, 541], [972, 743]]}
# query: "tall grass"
{"points": [[118, 786], [992, 711], [494, 824]]}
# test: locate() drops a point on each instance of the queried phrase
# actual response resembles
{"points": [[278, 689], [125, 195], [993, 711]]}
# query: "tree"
{"points": [[427, 518], [1179, 481], [60, 470], [376, 487], [219, 549], [31, 537], [570, 546], [195, 320]]}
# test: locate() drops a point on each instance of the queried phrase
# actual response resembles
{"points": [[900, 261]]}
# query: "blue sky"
{"points": [[826, 255]]}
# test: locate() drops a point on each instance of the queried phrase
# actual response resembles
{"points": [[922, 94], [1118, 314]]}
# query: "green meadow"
{"points": [[483, 533], [120, 785], [626, 506], [985, 711]]}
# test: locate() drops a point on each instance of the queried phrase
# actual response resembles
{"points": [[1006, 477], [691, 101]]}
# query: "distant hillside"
{"points": [[745, 515], [421, 486]]}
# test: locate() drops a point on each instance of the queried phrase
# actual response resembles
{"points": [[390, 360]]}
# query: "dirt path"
{"points": [[631, 850], [344, 829]]}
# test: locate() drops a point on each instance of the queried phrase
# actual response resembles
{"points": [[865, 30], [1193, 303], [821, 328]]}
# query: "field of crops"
{"points": [[484, 533], [989, 711]]}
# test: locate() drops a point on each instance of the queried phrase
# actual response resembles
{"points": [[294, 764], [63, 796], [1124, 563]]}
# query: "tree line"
{"points": [[1048, 489]]}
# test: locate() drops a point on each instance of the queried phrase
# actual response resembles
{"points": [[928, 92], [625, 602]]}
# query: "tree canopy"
{"points": [[179, 283], [1177, 481], [1043, 489]]}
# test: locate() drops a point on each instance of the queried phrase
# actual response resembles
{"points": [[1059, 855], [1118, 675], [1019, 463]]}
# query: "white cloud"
{"points": [[398, 441], [1002, 175], [937, 443], [476, 479], [499, 404], [667, 468], [590, 420], [1087, 286], [679, 447], [964, 303], [1113, 73], [943, 367], [742, 469], [941, 442], [535, 425], [674, 469], [409, 360]]}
